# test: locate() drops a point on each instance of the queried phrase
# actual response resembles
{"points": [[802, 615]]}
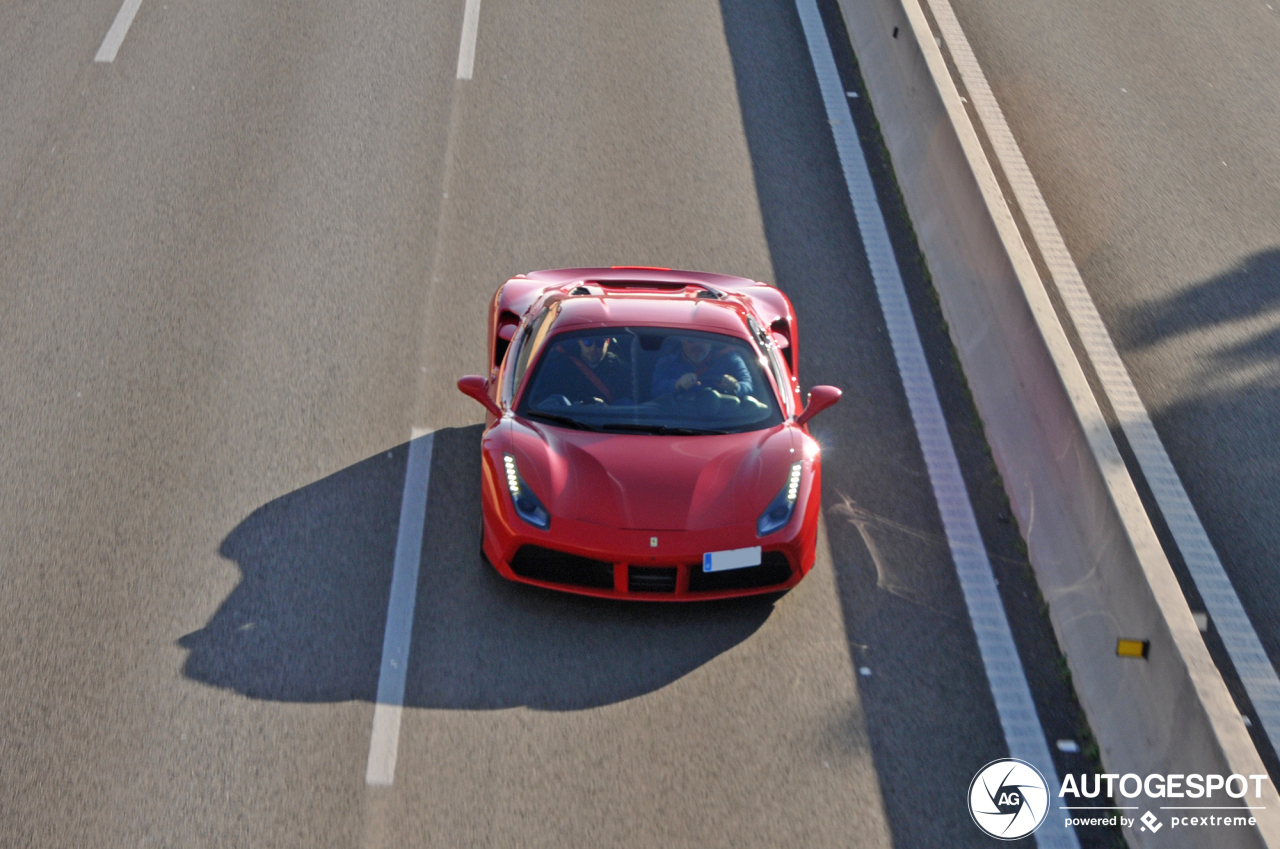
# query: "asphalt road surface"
{"points": [[243, 261], [1151, 128]]}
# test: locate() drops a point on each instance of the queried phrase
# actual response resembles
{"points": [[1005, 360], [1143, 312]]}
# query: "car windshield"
{"points": [[650, 380]]}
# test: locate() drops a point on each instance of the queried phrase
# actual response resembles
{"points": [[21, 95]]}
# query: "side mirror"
{"points": [[475, 386], [820, 397]]}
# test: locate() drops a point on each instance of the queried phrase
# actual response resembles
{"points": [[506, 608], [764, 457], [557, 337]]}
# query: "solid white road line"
{"points": [[1220, 598], [467, 50], [384, 742], [1008, 682], [119, 29]]}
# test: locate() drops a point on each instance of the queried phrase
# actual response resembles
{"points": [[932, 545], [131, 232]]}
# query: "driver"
{"points": [[585, 371], [695, 372]]}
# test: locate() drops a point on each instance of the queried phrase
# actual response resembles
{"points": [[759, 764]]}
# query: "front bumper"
{"points": [[605, 562]]}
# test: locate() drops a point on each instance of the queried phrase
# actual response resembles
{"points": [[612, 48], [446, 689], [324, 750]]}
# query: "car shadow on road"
{"points": [[305, 622]]}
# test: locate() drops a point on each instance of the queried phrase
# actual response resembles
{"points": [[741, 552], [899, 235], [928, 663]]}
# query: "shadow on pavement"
{"points": [[305, 623], [1221, 426], [1250, 289]]}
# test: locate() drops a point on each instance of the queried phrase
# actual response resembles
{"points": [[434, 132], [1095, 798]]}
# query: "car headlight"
{"points": [[778, 513], [528, 507]]}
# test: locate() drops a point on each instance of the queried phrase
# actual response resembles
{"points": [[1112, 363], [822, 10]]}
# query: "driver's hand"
{"points": [[729, 384], [687, 381]]}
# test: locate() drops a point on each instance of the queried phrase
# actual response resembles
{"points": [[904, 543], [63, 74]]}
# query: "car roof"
{"points": [[653, 309], [524, 295], [640, 274]]}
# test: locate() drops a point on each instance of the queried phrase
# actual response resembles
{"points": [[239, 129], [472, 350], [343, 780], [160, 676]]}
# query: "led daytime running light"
{"points": [[527, 505], [513, 478], [793, 485], [778, 513]]}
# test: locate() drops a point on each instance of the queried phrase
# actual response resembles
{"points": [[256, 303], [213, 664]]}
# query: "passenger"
{"points": [[584, 371], [715, 381]]}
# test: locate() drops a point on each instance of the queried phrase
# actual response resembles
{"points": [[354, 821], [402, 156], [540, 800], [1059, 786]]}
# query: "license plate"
{"points": [[738, 558]]}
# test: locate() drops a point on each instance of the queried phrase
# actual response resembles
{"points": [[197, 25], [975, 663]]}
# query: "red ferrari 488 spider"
{"points": [[646, 437]]}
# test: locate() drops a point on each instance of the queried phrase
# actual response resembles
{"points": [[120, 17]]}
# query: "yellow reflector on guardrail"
{"points": [[1132, 648]]}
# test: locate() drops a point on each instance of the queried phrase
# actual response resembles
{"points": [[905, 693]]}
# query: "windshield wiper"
{"points": [[661, 430], [567, 421]]}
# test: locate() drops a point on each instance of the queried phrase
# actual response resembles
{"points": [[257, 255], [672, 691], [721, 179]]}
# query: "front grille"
{"points": [[651, 579], [558, 567], [773, 569]]}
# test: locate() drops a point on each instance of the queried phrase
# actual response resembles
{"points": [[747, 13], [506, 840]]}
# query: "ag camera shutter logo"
{"points": [[1008, 799]]}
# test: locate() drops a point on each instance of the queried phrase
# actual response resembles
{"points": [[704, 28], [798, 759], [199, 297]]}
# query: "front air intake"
{"points": [[558, 567], [651, 579]]}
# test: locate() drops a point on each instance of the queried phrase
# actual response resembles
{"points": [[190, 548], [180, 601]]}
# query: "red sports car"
{"points": [[646, 436]]}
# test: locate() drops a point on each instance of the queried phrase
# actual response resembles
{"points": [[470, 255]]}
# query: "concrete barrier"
{"points": [[1091, 543]]}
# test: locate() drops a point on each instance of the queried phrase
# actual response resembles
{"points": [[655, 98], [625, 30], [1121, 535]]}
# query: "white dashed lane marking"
{"points": [[119, 29], [384, 742], [467, 50]]}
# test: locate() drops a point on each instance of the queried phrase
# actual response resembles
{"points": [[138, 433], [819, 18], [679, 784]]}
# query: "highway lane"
{"points": [[1151, 130], [242, 261], [194, 267]]}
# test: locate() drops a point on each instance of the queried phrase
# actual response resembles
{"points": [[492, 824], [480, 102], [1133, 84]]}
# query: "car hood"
{"points": [[641, 481]]}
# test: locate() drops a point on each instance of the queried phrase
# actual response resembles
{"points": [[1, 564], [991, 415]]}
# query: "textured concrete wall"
{"points": [[1096, 556]]}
